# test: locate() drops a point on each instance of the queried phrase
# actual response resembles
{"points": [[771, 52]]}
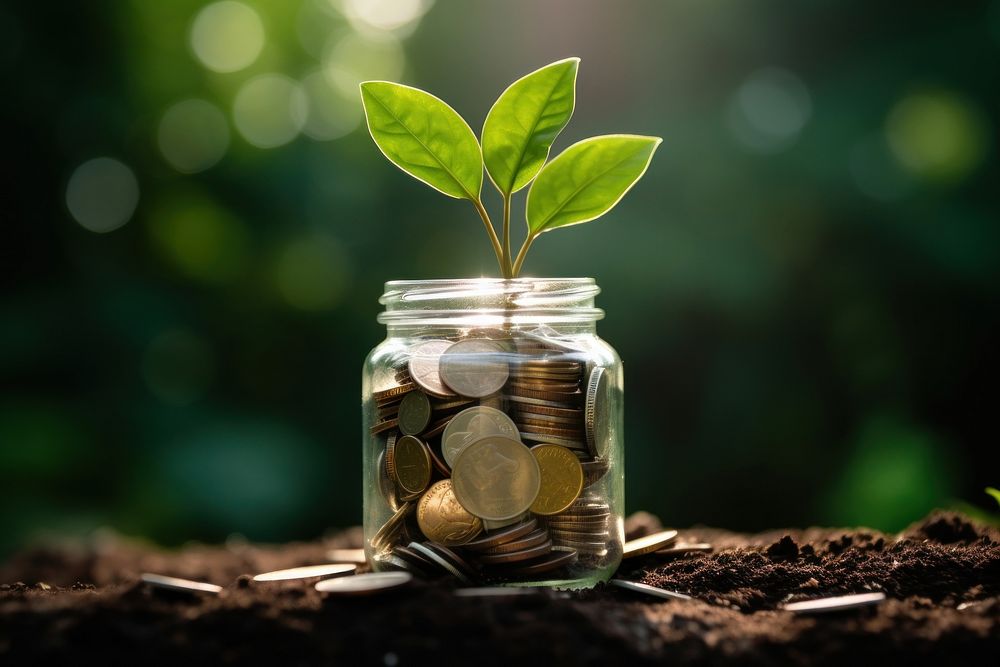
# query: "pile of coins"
{"points": [[486, 450]]}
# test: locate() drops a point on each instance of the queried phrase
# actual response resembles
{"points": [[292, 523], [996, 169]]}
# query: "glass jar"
{"points": [[492, 418]]}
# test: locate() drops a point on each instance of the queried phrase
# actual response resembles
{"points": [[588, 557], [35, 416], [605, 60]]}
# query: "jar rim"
{"points": [[483, 301]]}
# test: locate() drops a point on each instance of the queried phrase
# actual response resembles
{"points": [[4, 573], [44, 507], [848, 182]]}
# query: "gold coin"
{"points": [[496, 477], [389, 530], [394, 392], [544, 395], [443, 520], [383, 426], [562, 479], [650, 543], [409, 464]]}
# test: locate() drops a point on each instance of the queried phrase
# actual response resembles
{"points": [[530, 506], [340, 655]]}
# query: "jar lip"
{"points": [[534, 299]]}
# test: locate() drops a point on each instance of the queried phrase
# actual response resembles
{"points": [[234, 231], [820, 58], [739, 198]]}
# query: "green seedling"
{"points": [[428, 140], [993, 492]]}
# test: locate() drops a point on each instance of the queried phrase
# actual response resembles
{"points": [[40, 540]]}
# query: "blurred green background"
{"points": [[804, 287]]}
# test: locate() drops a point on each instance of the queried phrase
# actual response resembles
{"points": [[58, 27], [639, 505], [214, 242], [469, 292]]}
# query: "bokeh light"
{"points": [[227, 36], [102, 194], [193, 135], [353, 58], [331, 113], [270, 110], [178, 366], [937, 136], [312, 273], [201, 239], [769, 110], [376, 15]]}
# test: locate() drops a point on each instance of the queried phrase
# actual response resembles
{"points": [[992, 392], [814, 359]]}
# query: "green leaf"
{"points": [[587, 179], [525, 120], [993, 492], [424, 137]]}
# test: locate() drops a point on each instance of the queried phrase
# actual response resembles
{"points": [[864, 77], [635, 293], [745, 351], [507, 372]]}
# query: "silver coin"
{"points": [[552, 440], [597, 412], [309, 572], [441, 562], [541, 402], [503, 523], [176, 584], [474, 367], [496, 478], [364, 584], [414, 413], [648, 590], [425, 366], [839, 603], [472, 424]]}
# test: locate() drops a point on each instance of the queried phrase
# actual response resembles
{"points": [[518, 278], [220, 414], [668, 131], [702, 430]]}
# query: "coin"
{"points": [[413, 562], [414, 413], [595, 470], [558, 557], [385, 484], [650, 543], [563, 405], [449, 555], [489, 524], [384, 426], [474, 367], [442, 519], [424, 366], [496, 478], [562, 479], [580, 535], [439, 463], [409, 464], [496, 538], [544, 394], [176, 584], [597, 409], [839, 603], [440, 561], [395, 525], [365, 584], [532, 539], [472, 424], [437, 428], [530, 409], [565, 442], [648, 590], [515, 556], [309, 572], [526, 419], [556, 431], [394, 392], [356, 556]]}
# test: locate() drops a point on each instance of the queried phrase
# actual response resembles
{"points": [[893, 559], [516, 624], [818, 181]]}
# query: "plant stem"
{"points": [[520, 255], [508, 269], [492, 234]]}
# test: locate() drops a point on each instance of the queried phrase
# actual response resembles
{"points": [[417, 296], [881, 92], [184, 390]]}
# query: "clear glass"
{"points": [[493, 443]]}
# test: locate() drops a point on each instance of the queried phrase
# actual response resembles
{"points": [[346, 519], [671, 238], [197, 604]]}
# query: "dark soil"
{"points": [[84, 605]]}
